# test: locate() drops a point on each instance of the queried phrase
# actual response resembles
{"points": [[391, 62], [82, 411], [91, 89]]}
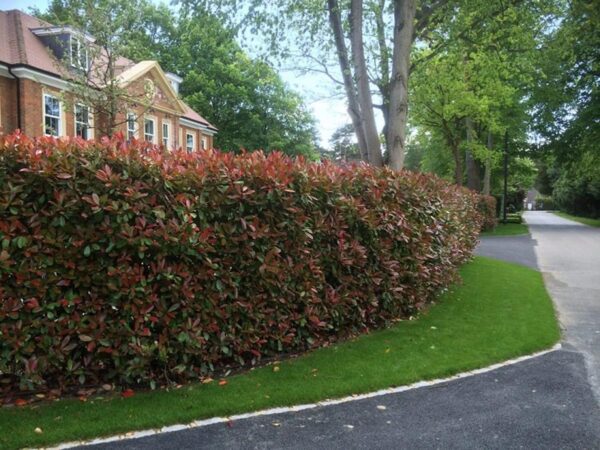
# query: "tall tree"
{"points": [[566, 107], [318, 32]]}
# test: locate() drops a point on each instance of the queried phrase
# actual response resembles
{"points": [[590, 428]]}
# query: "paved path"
{"points": [[568, 255], [542, 403]]}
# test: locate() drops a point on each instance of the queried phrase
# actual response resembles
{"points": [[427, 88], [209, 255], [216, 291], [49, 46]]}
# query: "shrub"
{"points": [[120, 263], [544, 203], [487, 208]]}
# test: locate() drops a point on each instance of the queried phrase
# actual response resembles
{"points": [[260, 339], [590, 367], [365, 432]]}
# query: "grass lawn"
{"points": [[507, 229], [584, 220], [500, 311]]}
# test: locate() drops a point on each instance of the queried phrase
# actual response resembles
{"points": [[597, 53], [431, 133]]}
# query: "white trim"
{"points": [[282, 410], [169, 145], [52, 31], [48, 80], [197, 126], [203, 142], [61, 118], [75, 62], [136, 125], [4, 72], [90, 122], [193, 135], [154, 122]]}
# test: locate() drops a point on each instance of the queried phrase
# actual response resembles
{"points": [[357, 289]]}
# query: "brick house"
{"points": [[32, 89]]}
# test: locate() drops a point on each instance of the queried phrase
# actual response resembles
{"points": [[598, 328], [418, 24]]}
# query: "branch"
{"points": [[424, 15]]}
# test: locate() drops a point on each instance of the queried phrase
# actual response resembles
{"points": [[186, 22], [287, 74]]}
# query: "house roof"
{"points": [[26, 49]]}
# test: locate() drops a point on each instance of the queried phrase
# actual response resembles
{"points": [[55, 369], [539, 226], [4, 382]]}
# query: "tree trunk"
{"points": [[473, 172], [458, 164], [487, 175], [362, 83], [384, 65], [335, 22], [404, 17]]}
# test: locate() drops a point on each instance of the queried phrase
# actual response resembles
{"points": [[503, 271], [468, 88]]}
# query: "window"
{"points": [[79, 54], [149, 132], [204, 143], [131, 126], [51, 115], [166, 134], [82, 121], [189, 142]]}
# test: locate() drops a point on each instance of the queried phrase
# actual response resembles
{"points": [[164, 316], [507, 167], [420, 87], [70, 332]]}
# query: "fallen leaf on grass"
{"points": [[127, 393], [20, 402], [222, 382], [207, 380], [276, 369], [38, 430]]}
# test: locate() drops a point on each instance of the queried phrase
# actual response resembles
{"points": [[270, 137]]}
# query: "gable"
{"points": [[146, 73]]}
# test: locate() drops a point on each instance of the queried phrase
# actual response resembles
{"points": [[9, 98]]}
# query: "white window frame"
{"points": [[76, 60], [132, 133], [187, 147], [58, 118], [90, 121], [166, 141], [204, 142], [154, 130]]}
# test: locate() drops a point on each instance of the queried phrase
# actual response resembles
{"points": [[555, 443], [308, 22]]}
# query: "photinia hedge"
{"points": [[121, 263]]}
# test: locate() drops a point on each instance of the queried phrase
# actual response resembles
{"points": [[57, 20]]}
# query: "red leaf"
{"points": [[127, 393]]}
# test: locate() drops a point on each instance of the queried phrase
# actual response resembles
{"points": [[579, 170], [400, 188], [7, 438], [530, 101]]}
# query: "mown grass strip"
{"points": [[507, 229], [584, 220], [500, 311]]}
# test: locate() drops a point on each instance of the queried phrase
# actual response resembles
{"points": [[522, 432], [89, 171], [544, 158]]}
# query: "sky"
{"points": [[317, 90]]}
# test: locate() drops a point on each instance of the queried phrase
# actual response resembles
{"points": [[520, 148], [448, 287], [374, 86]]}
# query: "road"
{"points": [[568, 255], [542, 403]]}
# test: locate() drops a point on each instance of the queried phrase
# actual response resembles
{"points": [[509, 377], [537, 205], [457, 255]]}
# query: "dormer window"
{"points": [[79, 53], [175, 81]]}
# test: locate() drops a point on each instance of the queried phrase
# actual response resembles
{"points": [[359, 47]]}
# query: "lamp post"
{"points": [[505, 193]]}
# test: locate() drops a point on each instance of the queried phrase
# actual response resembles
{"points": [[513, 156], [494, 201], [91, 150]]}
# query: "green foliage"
{"points": [[479, 67], [344, 147], [566, 105], [577, 190], [121, 263]]}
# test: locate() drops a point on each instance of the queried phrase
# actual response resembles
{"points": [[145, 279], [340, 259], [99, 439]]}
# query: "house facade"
{"points": [[34, 91]]}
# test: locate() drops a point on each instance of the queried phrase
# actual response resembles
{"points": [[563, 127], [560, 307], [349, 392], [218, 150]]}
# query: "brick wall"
{"points": [[8, 101]]}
